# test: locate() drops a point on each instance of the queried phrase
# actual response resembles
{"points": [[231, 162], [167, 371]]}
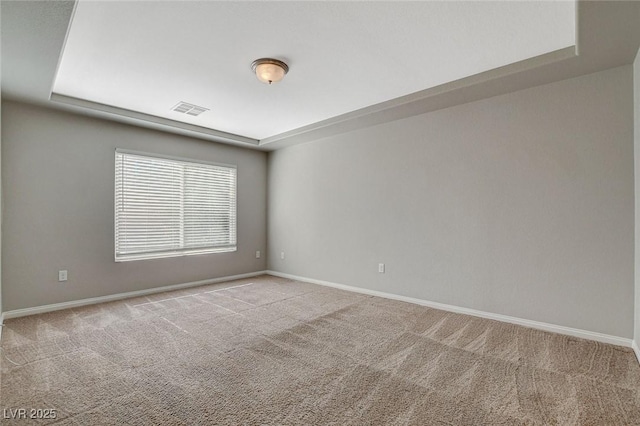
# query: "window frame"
{"points": [[160, 254]]}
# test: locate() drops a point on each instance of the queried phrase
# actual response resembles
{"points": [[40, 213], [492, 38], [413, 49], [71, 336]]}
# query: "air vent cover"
{"points": [[190, 109]]}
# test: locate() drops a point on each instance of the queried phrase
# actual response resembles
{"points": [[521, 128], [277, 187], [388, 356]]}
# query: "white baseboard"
{"points": [[584, 334], [119, 296], [636, 349]]}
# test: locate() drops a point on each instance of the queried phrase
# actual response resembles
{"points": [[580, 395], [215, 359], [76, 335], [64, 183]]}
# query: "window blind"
{"points": [[168, 207]]}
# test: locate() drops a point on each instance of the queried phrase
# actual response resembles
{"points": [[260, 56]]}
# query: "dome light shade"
{"points": [[269, 70]]}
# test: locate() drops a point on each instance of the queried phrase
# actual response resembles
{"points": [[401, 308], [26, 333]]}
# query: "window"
{"points": [[167, 207]]}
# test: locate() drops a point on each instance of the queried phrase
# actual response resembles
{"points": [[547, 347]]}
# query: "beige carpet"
{"points": [[279, 352]]}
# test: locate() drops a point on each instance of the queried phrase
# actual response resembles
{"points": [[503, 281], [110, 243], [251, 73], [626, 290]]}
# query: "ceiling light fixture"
{"points": [[269, 70]]}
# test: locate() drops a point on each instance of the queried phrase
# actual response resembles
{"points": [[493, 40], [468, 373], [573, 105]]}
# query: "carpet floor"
{"points": [[271, 351]]}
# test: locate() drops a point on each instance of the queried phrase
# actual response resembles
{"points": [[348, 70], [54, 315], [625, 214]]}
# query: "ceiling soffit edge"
{"points": [[427, 100], [406, 106], [156, 122]]}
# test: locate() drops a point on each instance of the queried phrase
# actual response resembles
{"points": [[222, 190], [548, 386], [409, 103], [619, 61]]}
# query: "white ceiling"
{"points": [[344, 56]]}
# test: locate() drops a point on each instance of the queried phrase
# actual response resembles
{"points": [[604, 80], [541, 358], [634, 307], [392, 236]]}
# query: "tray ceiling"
{"points": [[147, 57]]}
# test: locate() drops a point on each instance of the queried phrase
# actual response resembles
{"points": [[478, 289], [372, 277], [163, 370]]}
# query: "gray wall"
{"points": [[636, 91], [57, 173], [521, 205], [0, 183]]}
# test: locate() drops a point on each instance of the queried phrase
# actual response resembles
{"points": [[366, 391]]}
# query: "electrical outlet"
{"points": [[257, 254], [282, 255], [381, 268], [62, 275]]}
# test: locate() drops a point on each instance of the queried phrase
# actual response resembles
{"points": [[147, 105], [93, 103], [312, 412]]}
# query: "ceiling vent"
{"points": [[189, 109]]}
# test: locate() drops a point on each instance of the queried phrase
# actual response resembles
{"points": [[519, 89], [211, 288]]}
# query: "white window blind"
{"points": [[168, 207]]}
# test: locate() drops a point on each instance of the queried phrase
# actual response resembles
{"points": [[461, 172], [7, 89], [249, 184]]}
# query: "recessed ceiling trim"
{"points": [[74, 7], [410, 105], [211, 134], [413, 104]]}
